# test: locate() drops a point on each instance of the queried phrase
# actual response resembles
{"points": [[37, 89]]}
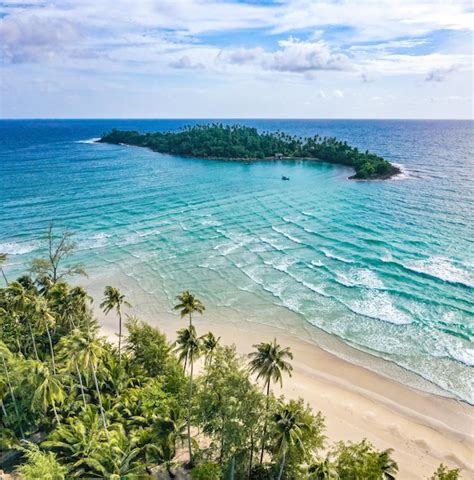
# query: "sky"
{"points": [[236, 59]]}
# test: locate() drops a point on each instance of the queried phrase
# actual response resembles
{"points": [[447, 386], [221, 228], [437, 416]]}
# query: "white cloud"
{"points": [[32, 38], [185, 63], [293, 56]]}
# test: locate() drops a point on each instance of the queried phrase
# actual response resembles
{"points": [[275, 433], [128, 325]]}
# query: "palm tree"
{"points": [[71, 353], [289, 434], [49, 390], [188, 304], [20, 300], [389, 465], [270, 362], [188, 346], [3, 352], [44, 319], [114, 299], [323, 470], [3, 260], [209, 344]]}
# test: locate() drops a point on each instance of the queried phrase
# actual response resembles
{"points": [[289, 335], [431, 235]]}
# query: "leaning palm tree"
{"points": [[114, 300], [4, 352], [44, 319], [269, 362], [49, 390], [188, 346], [188, 304], [289, 434], [19, 300], [388, 464], [71, 350], [3, 260], [209, 344], [90, 352]]}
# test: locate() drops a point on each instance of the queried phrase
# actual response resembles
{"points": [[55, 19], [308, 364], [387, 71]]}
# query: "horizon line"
{"points": [[234, 118]]}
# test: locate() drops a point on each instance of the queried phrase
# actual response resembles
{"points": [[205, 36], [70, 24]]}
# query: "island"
{"points": [[238, 142]]}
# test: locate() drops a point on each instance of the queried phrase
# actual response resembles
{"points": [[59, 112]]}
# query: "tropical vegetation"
{"points": [[247, 143], [75, 405]]}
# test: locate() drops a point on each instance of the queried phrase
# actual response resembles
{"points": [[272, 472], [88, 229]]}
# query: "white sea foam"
{"points": [[403, 175], [18, 248], [443, 269], [211, 223], [329, 254], [379, 306], [465, 355], [90, 140], [286, 234], [360, 277]]}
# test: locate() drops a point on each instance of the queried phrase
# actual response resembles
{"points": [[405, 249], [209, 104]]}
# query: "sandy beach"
{"points": [[424, 429]]}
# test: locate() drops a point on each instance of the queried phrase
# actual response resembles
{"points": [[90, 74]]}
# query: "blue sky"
{"points": [[236, 58]]}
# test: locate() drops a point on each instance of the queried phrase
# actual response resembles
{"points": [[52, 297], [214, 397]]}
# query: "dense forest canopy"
{"points": [[75, 405], [241, 142]]}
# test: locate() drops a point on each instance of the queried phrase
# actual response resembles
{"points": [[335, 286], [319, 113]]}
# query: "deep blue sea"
{"points": [[387, 267]]}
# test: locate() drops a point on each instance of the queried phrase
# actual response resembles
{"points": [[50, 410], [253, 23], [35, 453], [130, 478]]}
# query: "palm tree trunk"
{"points": [[12, 394], [55, 413], [266, 421], [190, 397], [190, 320], [251, 454], [102, 413], [232, 468], [51, 348], [4, 412], [81, 384], [4, 277], [282, 466], [33, 340], [120, 334]]}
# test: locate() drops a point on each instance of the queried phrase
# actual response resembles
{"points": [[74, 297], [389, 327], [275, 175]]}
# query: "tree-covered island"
{"points": [[239, 142]]}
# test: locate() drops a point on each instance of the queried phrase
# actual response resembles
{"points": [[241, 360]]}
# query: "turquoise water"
{"points": [[385, 266]]}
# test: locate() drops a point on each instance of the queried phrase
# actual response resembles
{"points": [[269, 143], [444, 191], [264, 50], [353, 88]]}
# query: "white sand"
{"points": [[424, 429]]}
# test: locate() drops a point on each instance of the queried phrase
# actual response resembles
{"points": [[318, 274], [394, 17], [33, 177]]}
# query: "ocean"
{"points": [[384, 267]]}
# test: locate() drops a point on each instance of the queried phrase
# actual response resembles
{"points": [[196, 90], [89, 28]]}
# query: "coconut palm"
{"points": [[188, 304], [188, 346], [44, 319], [269, 362], [19, 300], [115, 300], [290, 427], [388, 464], [4, 352], [3, 260], [71, 354], [209, 345], [323, 470], [49, 391]]}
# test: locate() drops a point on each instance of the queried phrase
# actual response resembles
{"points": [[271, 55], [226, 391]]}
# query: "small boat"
{"points": [[285, 178]]}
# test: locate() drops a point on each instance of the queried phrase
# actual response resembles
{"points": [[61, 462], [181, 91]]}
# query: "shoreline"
{"points": [[387, 176], [423, 428]]}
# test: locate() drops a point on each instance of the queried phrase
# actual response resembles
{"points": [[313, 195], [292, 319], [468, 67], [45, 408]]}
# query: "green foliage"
{"points": [[444, 473], [240, 142], [297, 433], [100, 414], [229, 409], [207, 471], [41, 464], [360, 461]]}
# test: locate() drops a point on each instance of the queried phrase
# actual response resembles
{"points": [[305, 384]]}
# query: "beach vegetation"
{"points": [[246, 143], [75, 405]]}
